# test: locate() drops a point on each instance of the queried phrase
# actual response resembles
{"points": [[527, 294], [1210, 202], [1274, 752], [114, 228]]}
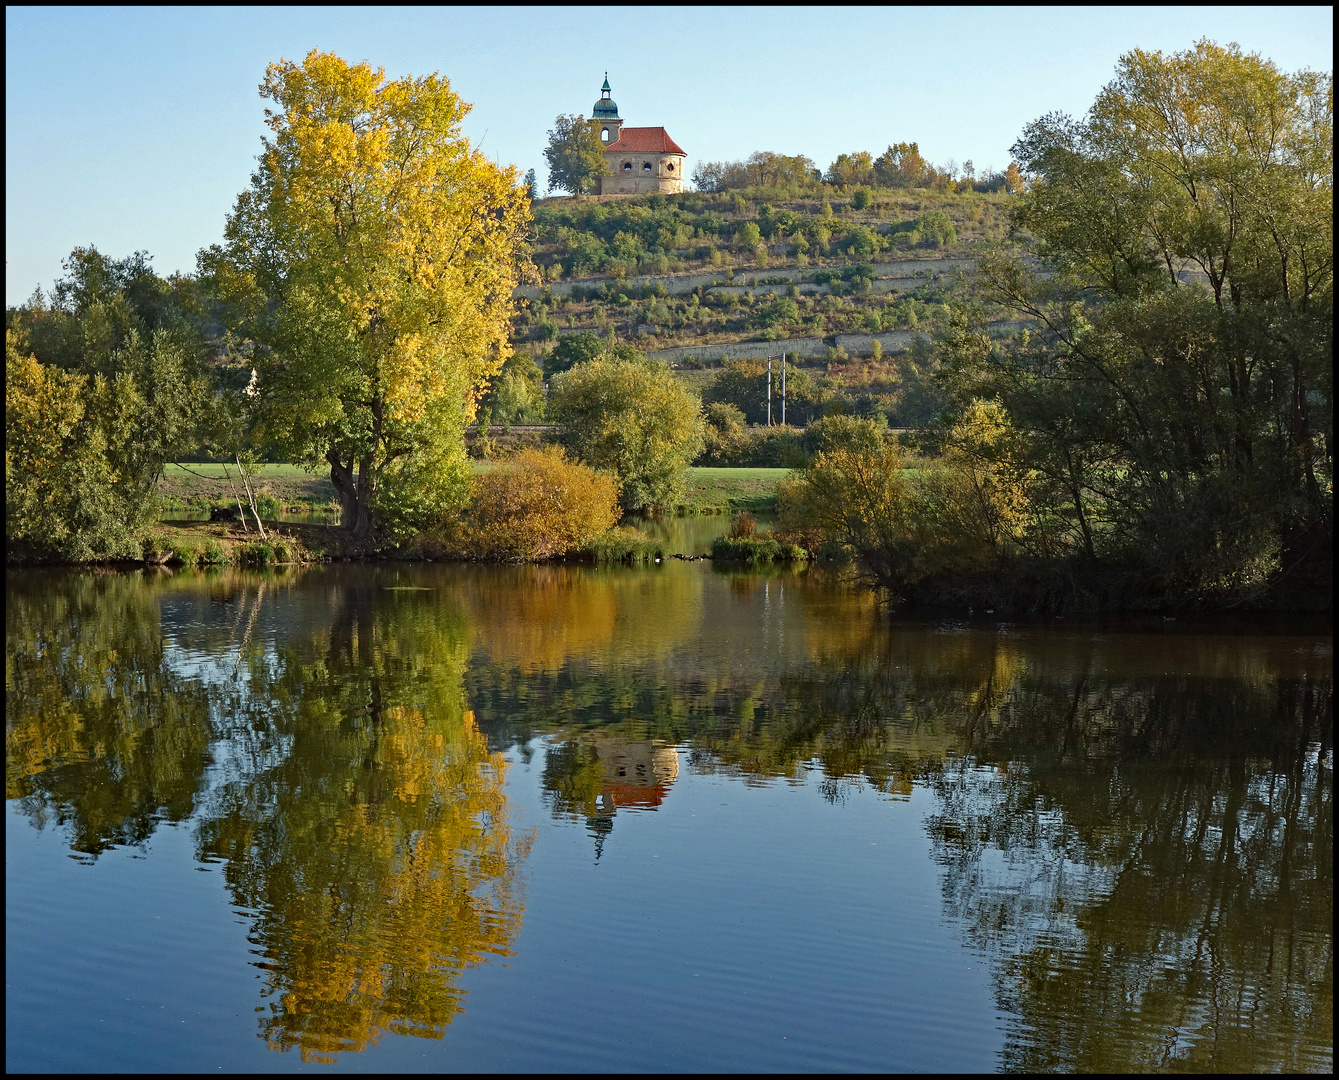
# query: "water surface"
{"points": [[564, 818]]}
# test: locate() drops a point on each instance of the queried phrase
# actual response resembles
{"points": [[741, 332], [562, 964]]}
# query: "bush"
{"points": [[938, 229], [538, 505], [832, 432], [257, 555], [754, 550], [626, 545], [181, 552], [860, 497], [756, 448]]}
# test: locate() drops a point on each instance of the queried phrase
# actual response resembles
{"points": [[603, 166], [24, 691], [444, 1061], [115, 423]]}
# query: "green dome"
{"points": [[604, 109]]}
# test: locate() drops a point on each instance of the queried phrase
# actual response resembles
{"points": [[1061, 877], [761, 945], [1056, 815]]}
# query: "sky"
{"points": [[134, 129]]}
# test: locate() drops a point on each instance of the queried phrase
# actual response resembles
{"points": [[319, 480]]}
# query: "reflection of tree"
{"points": [[377, 853], [98, 732], [1151, 873], [1145, 859], [539, 618]]}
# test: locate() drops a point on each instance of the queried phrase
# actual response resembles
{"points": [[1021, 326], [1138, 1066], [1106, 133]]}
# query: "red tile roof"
{"points": [[646, 140]]}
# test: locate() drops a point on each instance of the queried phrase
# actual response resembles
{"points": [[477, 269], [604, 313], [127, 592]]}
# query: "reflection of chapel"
{"points": [[638, 160]]}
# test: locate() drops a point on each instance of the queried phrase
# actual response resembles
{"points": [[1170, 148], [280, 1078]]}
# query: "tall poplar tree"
{"points": [[373, 258]]}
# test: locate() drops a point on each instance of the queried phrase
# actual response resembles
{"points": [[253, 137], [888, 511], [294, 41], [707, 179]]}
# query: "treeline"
{"points": [[1160, 434], [900, 166], [106, 379], [1150, 440]]}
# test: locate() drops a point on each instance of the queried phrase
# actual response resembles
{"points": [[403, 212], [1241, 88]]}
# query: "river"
{"points": [[675, 818]]}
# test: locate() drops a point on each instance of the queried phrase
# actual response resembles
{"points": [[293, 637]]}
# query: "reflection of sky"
{"points": [[203, 641]]}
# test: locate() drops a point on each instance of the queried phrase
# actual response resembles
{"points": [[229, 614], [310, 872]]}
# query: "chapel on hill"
{"points": [[638, 160]]}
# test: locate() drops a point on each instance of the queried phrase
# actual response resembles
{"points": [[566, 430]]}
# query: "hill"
{"points": [[847, 282]]}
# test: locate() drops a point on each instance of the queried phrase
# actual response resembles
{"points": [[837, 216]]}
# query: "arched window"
{"points": [[669, 167], [627, 166], [604, 135], [646, 166]]}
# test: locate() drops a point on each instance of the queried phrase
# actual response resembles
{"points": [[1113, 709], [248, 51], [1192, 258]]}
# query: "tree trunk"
{"points": [[355, 494]]}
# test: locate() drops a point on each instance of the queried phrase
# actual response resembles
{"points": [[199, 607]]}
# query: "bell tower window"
{"points": [[604, 134]]}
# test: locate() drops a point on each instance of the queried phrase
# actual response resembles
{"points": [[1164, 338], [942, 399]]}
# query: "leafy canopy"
{"points": [[629, 415], [374, 256], [575, 156], [1177, 384], [105, 382]]}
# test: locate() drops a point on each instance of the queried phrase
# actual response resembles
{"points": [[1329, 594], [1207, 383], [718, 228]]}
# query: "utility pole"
{"points": [[769, 391], [783, 389]]}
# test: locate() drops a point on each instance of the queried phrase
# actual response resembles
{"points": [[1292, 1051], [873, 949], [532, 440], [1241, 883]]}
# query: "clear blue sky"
{"points": [[134, 129]]}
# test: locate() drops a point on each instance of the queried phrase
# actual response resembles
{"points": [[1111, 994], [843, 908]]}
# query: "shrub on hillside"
{"points": [[538, 505]]}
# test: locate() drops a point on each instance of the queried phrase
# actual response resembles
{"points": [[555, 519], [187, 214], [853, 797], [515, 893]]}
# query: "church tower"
{"points": [[605, 114]]}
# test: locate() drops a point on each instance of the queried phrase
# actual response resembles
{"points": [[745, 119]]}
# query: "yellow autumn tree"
{"points": [[373, 260], [979, 495]]}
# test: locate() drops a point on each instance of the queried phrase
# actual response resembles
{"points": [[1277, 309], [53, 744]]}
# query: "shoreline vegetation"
{"points": [[225, 540], [1097, 381]]}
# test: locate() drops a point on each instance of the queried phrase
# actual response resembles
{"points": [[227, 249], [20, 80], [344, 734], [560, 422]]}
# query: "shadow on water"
{"points": [[1134, 830]]}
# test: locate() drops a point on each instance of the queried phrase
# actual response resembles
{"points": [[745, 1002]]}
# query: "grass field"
{"points": [[198, 487], [215, 471], [295, 489], [733, 489]]}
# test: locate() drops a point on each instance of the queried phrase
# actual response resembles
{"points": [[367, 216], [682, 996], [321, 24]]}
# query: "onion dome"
{"points": [[605, 109]]}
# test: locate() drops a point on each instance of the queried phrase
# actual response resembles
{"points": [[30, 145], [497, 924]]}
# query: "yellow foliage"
{"points": [[378, 252], [43, 408], [979, 493], [538, 505]]}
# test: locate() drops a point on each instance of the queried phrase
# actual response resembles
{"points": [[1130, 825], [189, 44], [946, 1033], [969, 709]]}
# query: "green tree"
{"points": [[850, 169], [1178, 391], [575, 156], [516, 394], [573, 349], [743, 384], [901, 165], [374, 258], [629, 415], [106, 381]]}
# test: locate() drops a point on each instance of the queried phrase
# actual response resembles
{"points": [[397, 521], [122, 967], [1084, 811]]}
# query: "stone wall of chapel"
{"points": [[665, 175]]}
